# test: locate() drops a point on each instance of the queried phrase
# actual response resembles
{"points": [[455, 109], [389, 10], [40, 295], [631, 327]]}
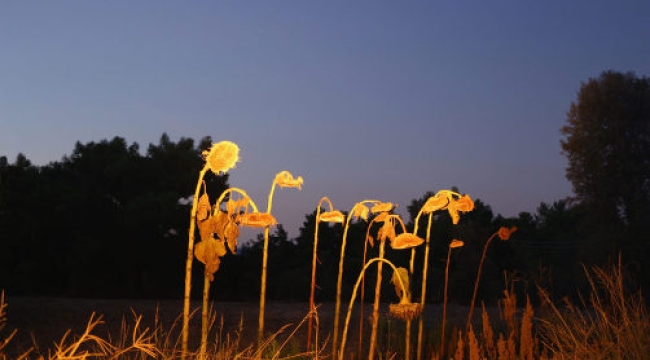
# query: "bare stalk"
{"points": [[188, 264]]}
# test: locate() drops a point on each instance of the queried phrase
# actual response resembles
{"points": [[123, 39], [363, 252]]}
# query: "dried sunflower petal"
{"points": [[203, 207]]}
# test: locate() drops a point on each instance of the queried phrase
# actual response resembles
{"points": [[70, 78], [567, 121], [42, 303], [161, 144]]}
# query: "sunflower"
{"points": [[406, 241], [221, 157]]}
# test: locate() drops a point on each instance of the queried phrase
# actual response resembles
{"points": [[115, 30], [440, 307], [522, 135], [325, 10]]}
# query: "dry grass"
{"points": [[609, 323]]}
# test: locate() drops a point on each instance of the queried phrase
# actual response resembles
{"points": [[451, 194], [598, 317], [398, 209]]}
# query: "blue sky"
{"points": [[364, 99]]}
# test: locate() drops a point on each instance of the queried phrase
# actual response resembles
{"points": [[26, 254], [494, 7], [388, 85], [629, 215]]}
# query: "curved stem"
{"points": [[478, 278], [188, 263], [313, 271], [354, 295], [239, 191]]}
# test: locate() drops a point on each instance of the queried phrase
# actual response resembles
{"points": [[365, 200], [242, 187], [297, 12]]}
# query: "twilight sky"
{"points": [[365, 99]]}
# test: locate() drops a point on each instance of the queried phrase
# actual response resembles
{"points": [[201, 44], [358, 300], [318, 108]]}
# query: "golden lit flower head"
{"points": [[332, 216], [256, 219], [456, 244], [465, 203], [406, 241], [285, 179], [504, 232], [435, 203], [222, 157], [382, 207], [405, 310], [360, 211]]}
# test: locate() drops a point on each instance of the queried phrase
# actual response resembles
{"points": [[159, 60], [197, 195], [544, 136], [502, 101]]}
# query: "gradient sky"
{"points": [[365, 99]]}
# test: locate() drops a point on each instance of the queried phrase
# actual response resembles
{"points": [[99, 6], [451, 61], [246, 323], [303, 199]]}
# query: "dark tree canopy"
{"points": [[608, 145]]}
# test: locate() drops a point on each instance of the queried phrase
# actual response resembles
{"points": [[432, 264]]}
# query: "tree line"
{"points": [[112, 221]]}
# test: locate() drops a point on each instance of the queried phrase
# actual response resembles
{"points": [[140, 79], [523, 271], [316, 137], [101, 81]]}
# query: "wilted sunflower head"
{"points": [[285, 179], [436, 202], [221, 157], [504, 232], [406, 241], [360, 211], [405, 310], [456, 244], [256, 219], [382, 207], [332, 216]]}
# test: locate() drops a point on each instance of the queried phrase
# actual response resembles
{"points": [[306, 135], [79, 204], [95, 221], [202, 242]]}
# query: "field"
{"points": [[42, 322]]}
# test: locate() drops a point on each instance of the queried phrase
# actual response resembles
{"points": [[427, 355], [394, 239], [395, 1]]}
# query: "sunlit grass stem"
{"points": [[476, 282]]}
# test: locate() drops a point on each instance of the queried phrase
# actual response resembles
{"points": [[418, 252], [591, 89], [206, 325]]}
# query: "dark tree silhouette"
{"points": [[607, 144]]}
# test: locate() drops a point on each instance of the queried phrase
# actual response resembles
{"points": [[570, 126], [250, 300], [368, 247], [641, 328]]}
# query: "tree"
{"points": [[607, 144]]}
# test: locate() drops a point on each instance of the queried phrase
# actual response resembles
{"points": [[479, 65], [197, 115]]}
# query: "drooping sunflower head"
{"points": [[334, 216], [286, 179], [504, 232], [406, 241], [256, 220], [221, 157], [456, 244], [405, 310]]}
